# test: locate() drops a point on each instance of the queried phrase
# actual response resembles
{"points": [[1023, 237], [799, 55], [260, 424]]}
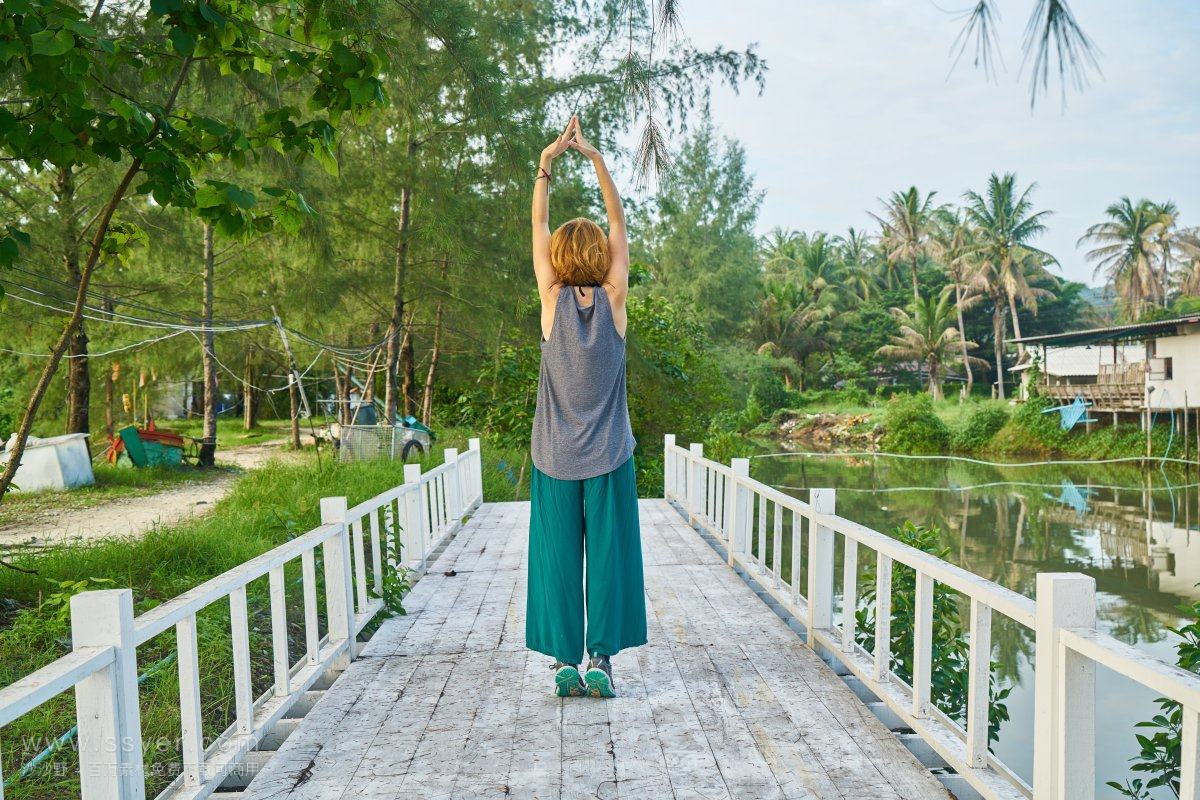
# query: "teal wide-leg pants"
{"points": [[593, 520]]}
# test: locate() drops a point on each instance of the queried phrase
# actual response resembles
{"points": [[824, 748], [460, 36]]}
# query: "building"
{"points": [[1129, 368]]}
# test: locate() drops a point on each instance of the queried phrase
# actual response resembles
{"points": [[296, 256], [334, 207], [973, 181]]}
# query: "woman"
{"points": [[584, 489]]}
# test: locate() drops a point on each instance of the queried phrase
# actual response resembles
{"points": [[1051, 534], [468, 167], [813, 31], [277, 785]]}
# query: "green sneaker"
{"points": [[567, 682], [599, 678]]}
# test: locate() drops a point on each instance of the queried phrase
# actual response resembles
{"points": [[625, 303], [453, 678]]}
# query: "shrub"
{"points": [[1044, 428], [768, 391], [979, 427], [911, 426], [8, 413]]}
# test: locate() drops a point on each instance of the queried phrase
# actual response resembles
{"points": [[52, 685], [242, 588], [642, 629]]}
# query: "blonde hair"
{"points": [[579, 253]]}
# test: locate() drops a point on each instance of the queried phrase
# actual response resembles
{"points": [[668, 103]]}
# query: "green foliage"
{"points": [[397, 581], [1159, 751], [911, 426], [951, 647], [8, 411], [978, 427], [702, 238], [768, 391]]}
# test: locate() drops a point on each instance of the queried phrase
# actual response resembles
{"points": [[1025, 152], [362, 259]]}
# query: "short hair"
{"points": [[579, 253]]}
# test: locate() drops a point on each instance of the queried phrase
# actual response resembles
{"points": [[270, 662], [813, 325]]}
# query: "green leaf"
{"points": [[362, 90], [51, 43], [162, 7], [240, 197], [210, 197], [212, 15], [183, 42]]}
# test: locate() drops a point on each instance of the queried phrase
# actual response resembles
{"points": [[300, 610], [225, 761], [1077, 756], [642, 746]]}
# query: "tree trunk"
{"points": [[294, 403], [396, 322], [962, 335], [249, 395], [998, 336], [209, 440], [408, 386], [1012, 308], [915, 282], [434, 352], [79, 383]]}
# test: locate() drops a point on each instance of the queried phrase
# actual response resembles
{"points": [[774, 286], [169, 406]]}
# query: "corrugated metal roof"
{"points": [[1138, 330]]}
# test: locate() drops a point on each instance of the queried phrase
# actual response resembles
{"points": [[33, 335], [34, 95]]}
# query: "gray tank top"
{"points": [[581, 426]]}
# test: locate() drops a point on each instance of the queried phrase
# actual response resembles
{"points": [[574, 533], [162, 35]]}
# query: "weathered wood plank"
{"points": [[724, 702]]}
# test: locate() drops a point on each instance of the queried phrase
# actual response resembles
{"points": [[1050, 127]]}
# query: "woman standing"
{"points": [[584, 489]]}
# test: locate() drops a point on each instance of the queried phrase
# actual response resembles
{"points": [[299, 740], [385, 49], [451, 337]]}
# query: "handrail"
{"points": [[749, 519], [411, 520]]}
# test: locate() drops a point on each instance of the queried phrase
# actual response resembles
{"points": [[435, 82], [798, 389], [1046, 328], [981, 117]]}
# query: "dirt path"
{"points": [[131, 516]]}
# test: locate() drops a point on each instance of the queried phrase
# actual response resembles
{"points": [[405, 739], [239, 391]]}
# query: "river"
{"points": [[1134, 530]]}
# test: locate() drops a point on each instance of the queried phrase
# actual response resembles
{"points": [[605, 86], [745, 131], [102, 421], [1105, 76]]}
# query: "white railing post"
{"points": [[476, 470], [668, 468], [414, 514], [106, 704], [820, 565], [1064, 762], [739, 509], [695, 504], [339, 589], [454, 509], [979, 688]]}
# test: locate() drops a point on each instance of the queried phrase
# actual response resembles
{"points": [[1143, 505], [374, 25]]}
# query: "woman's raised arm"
{"points": [[542, 269], [618, 237]]}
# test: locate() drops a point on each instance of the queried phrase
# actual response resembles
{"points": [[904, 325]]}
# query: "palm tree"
{"points": [[858, 267], [1005, 224], [906, 223], [1189, 276], [790, 320], [928, 335], [1128, 247], [955, 248]]}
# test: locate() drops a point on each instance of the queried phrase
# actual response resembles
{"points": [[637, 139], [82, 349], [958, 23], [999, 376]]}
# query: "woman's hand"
{"points": [[559, 145], [580, 143]]}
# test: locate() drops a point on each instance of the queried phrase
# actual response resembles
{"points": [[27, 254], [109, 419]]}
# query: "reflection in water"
{"points": [[1133, 530]]}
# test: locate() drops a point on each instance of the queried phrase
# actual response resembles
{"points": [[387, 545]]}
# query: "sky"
{"points": [[860, 100]]}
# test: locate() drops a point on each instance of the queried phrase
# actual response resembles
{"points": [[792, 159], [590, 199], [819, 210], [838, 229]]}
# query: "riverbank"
{"points": [[915, 424]]}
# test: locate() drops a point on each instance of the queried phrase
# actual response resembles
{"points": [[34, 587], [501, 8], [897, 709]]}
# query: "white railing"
{"points": [[411, 520], [743, 514]]}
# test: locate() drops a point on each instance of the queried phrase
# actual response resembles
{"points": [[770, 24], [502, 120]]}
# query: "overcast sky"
{"points": [[860, 101]]}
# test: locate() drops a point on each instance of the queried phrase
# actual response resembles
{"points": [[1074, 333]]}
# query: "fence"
{"points": [[102, 667], [742, 513]]}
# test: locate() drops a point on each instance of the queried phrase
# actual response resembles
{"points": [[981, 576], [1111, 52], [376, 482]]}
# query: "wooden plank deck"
{"points": [[724, 702]]}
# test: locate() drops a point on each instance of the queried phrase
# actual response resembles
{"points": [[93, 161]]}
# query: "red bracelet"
{"points": [[542, 173]]}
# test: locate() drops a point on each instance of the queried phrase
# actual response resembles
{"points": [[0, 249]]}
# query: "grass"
{"points": [[231, 432], [265, 507]]}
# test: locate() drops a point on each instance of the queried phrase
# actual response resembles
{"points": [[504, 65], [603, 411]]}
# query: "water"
{"points": [[1133, 530]]}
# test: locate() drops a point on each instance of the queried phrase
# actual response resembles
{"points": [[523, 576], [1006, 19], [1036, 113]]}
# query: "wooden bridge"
{"points": [[725, 701], [753, 684]]}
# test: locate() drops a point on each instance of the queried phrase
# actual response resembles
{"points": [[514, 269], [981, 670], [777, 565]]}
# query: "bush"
{"points": [[911, 426], [845, 397], [1045, 428], [979, 427], [768, 391], [8, 413]]}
